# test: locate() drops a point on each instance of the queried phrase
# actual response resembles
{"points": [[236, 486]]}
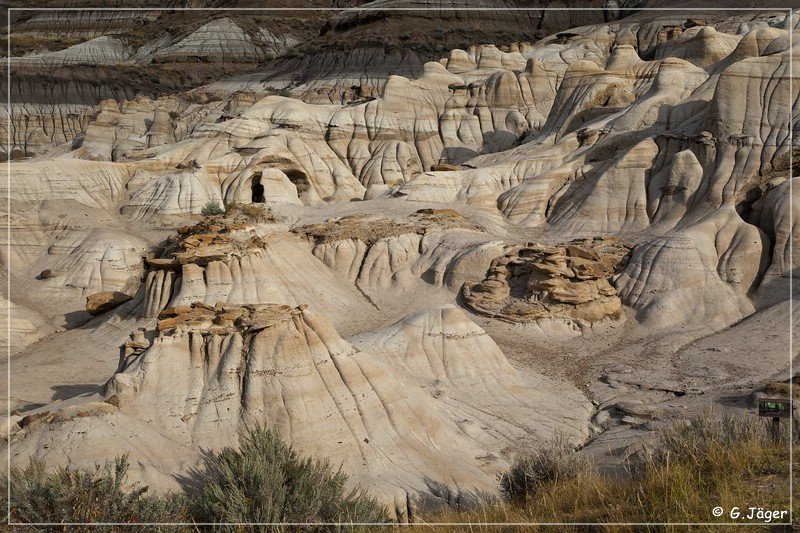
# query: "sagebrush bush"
{"points": [[553, 463], [86, 497], [266, 481], [212, 207]]}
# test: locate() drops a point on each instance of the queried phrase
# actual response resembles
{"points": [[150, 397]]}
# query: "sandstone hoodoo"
{"points": [[540, 282]]}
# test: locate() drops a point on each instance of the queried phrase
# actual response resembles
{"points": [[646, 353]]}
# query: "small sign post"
{"points": [[775, 408]]}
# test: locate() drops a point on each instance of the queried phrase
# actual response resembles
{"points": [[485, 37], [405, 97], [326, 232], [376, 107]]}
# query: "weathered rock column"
{"points": [[158, 291]]}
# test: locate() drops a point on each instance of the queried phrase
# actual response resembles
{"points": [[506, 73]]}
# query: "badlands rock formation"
{"points": [[403, 424], [222, 40], [416, 276], [66, 62], [544, 282]]}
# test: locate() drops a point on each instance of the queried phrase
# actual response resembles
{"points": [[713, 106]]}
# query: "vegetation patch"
{"points": [[212, 207], [85, 497], [263, 481], [699, 465], [266, 481]]}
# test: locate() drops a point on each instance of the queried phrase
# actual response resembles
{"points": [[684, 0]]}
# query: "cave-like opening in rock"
{"points": [[300, 180], [257, 190]]}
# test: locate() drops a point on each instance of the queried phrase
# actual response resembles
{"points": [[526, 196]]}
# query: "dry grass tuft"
{"points": [[702, 464], [781, 389]]}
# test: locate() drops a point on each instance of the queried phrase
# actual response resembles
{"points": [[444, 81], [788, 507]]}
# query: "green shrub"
{"points": [[266, 481], [82, 497], [212, 207], [555, 462]]}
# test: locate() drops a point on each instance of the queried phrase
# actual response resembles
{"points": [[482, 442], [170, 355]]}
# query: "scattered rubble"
{"points": [[370, 229], [535, 282]]}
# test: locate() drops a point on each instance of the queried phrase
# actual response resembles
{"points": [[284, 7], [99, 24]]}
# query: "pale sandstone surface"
{"points": [[590, 234]]}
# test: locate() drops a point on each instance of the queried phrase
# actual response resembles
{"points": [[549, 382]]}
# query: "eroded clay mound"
{"points": [[391, 258], [535, 282], [677, 141], [407, 430]]}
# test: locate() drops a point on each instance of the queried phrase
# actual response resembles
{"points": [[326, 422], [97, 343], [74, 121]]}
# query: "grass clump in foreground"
{"points": [[549, 465], [264, 481], [705, 463]]}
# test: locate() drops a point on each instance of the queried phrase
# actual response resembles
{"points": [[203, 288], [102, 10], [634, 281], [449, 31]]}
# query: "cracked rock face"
{"points": [[537, 282]]}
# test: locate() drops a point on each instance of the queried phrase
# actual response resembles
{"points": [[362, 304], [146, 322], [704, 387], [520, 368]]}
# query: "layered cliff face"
{"points": [[65, 63], [415, 276]]}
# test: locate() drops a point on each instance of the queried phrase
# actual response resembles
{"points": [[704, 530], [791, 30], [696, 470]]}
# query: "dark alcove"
{"points": [[257, 190], [300, 180]]}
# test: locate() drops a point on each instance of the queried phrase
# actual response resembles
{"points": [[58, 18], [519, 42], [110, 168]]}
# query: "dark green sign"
{"points": [[775, 408]]}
